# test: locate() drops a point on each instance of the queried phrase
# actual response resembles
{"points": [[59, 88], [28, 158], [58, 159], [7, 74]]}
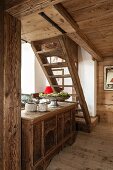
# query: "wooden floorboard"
{"points": [[91, 151]]}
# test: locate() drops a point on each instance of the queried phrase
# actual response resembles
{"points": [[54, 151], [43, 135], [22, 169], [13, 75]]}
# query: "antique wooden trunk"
{"points": [[45, 133]]}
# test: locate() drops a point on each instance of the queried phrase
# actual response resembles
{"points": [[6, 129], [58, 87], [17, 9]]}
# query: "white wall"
{"points": [[33, 79], [27, 69], [87, 74], [40, 79]]}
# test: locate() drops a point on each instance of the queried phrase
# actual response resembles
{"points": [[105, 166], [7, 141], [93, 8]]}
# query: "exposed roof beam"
{"points": [[21, 8], [78, 36]]}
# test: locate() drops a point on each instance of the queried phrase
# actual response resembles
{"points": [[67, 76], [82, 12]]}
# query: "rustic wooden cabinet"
{"points": [[45, 134]]}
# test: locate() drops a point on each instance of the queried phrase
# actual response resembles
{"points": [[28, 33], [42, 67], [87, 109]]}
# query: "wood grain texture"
{"points": [[47, 70], [104, 98], [82, 40], [94, 19], [42, 136], [10, 117], [1, 81], [25, 7], [67, 46], [45, 29]]}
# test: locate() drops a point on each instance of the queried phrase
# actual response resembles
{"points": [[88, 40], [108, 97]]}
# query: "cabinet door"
{"points": [[37, 142], [59, 128], [49, 134], [73, 120], [67, 123]]}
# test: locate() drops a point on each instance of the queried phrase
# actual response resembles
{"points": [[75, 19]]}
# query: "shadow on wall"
{"points": [[87, 74]]}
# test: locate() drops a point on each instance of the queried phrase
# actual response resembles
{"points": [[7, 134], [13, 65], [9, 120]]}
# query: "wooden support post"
{"points": [[10, 92]]}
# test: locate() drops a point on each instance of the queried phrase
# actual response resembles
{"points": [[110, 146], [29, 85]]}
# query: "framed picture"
{"points": [[108, 78]]}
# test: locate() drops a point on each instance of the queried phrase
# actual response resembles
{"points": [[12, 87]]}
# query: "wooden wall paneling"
{"points": [[1, 81], [104, 98], [10, 92]]}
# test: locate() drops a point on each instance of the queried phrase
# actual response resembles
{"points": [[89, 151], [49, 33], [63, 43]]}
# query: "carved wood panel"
{"points": [[42, 139], [67, 123], [59, 127], [37, 142], [49, 134]]}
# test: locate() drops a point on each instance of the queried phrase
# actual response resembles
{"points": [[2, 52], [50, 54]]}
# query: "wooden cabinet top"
{"points": [[38, 116]]}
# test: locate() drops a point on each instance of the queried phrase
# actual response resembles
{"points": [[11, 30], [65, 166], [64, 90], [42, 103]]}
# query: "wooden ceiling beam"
{"points": [[78, 36], [21, 8]]}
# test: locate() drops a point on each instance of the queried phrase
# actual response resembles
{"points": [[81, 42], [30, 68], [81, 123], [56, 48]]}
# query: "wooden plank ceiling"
{"points": [[93, 17], [35, 27]]}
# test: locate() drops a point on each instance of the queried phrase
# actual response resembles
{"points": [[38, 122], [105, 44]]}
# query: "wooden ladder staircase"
{"points": [[65, 49]]}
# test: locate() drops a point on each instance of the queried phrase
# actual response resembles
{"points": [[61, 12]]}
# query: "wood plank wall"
{"points": [[104, 98], [1, 83], [10, 92]]}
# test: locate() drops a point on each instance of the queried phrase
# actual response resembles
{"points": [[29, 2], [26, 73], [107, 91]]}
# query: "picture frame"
{"points": [[108, 78]]}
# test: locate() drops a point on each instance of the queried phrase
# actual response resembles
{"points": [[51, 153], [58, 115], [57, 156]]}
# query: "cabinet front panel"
{"points": [[50, 140], [67, 116], [59, 128], [49, 124], [50, 134], [26, 142], [67, 128], [37, 142]]}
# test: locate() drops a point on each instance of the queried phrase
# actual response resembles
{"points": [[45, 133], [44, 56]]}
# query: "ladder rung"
{"points": [[46, 51], [56, 65], [79, 115], [80, 120], [51, 53], [60, 76]]}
